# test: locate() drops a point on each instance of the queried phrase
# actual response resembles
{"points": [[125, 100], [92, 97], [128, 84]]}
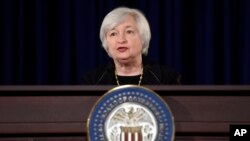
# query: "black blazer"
{"points": [[153, 74]]}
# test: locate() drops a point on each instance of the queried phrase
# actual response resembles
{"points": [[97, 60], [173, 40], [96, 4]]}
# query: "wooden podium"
{"points": [[60, 113]]}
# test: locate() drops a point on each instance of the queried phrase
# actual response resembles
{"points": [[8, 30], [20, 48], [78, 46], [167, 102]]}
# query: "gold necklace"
{"points": [[117, 80]]}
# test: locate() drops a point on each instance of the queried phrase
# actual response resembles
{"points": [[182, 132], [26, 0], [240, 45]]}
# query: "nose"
{"points": [[122, 38]]}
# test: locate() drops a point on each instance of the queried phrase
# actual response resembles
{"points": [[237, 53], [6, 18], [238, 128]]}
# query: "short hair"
{"points": [[116, 16]]}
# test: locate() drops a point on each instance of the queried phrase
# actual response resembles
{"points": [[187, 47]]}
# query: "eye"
{"points": [[112, 34], [130, 31]]}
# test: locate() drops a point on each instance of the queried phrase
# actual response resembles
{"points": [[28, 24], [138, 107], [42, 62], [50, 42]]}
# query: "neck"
{"points": [[129, 68]]}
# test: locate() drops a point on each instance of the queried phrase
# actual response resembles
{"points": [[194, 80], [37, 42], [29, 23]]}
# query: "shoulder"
{"points": [[95, 76], [164, 73]]}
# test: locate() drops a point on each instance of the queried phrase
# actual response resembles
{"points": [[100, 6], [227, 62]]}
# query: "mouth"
{"points": [[122, 49]]}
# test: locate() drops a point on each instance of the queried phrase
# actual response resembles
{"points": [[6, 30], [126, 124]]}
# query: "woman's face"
{"points": [[124, 41]]}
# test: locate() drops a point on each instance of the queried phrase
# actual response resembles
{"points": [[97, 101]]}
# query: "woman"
{"points": [[125, 35]]}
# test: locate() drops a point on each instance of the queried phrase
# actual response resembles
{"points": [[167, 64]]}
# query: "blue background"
{"points": [[54, 42]]}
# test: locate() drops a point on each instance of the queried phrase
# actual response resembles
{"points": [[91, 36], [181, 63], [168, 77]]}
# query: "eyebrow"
{"points": [[128, 26]]}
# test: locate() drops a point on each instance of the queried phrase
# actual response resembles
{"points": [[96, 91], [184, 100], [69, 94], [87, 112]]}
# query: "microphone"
{"points": [[110, 67], [152, 73], [100, 78]]}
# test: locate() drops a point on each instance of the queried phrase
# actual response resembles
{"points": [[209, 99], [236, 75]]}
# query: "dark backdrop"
{"points": [[56, 41]]}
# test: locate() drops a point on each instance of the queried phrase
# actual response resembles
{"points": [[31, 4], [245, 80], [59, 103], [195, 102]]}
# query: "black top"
{"points": [[153, 74], [129, 79]]}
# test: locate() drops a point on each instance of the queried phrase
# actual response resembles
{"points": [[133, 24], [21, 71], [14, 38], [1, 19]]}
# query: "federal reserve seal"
{"points": [[131, 113]]}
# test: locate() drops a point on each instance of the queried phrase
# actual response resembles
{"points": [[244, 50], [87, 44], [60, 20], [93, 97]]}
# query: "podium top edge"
{"points": [[108, 87]]}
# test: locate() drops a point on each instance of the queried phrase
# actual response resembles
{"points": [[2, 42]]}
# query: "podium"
{"points": [[53, 113]]}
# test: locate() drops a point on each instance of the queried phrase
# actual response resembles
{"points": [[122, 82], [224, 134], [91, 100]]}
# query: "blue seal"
{"points": [[131, 113]]}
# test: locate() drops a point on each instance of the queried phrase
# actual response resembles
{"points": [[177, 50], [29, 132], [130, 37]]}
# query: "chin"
{"points": [[124, 60]]}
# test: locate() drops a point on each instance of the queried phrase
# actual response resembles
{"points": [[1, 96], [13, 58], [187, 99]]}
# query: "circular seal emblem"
{"points": [[131, 113]]}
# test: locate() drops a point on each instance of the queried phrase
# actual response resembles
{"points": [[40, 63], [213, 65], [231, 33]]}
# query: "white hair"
{"points": [[117, 16]]}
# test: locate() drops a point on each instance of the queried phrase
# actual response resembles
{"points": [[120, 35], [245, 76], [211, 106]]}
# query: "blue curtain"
{"points": [[51, 42]]}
